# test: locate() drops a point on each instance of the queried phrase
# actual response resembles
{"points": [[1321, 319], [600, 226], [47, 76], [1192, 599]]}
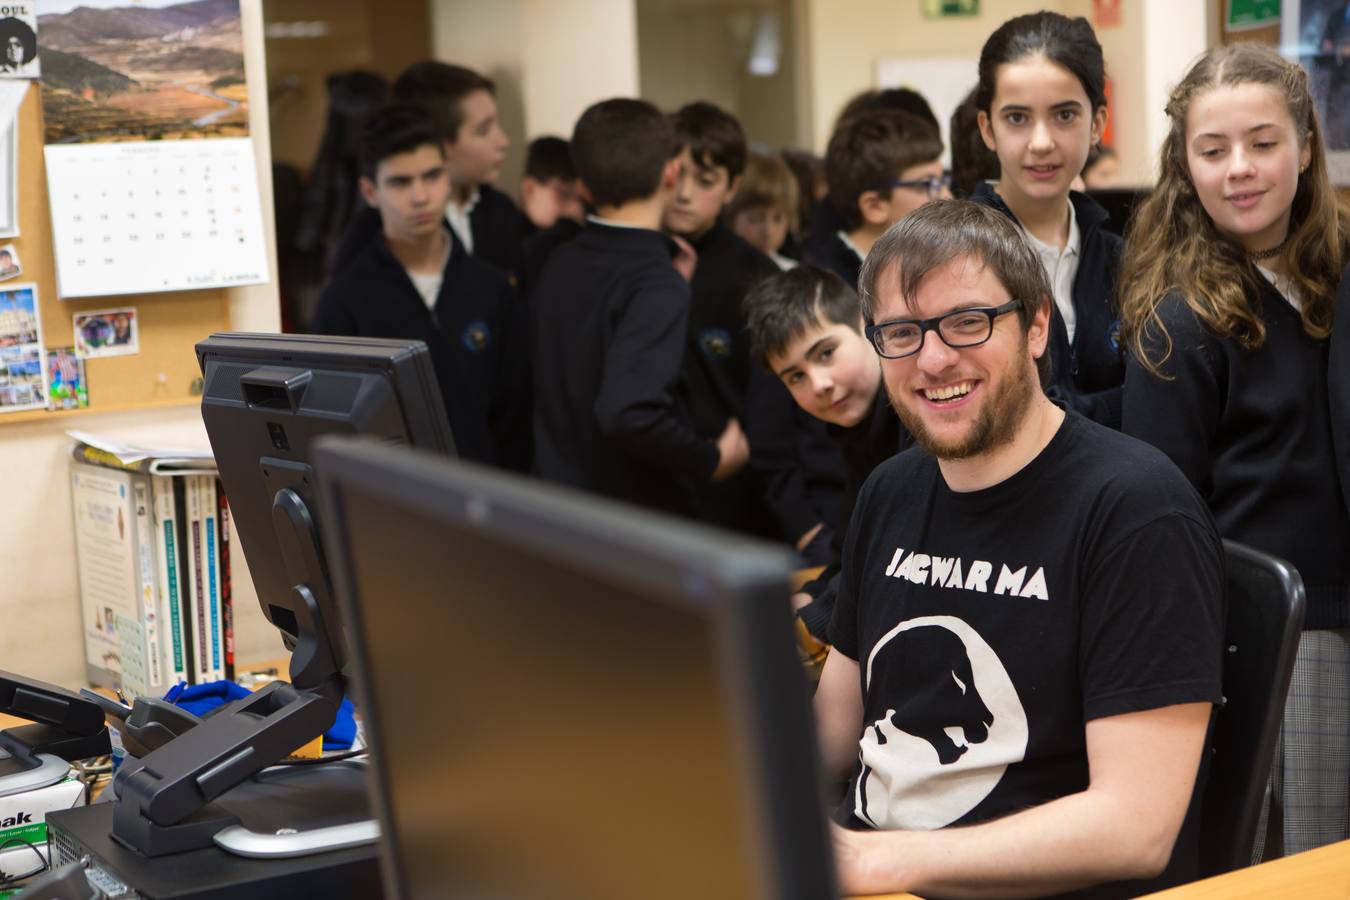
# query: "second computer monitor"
{"points": [[569, 698], [267, 397]]}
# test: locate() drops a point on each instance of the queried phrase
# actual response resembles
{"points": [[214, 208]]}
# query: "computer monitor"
{"points": [[567, 697], [266, 398]]}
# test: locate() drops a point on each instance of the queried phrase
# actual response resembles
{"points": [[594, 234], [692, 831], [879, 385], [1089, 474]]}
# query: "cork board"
{"points": [[164, 371]]}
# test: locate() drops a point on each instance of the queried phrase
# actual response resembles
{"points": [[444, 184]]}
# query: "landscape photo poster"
{"points": [[151, 174], [118, 70]]}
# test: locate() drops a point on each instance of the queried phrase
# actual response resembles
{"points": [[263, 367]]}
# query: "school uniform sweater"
{"points": [[498, 229], [1252, 430], [864, 447], [1086, 374], [471, 332], [828, 251], [537, 247], [610, 326], [717, 374]]}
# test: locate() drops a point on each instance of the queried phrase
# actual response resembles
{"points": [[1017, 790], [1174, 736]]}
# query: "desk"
{"points": [[1322, 874]]}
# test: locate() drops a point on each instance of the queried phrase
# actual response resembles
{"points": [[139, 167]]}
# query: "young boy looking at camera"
{"points": [[806, 328]]}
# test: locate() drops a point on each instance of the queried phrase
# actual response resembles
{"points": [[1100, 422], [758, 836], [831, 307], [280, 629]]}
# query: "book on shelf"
{"points": [[152, 553]]}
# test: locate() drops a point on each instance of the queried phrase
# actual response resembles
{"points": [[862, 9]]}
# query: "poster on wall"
{"points": [[150, 170], [1316, 34], [22, 384], [19, 40]]}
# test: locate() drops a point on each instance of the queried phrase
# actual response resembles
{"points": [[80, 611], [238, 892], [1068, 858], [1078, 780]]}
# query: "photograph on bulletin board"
{"points": [[1317, 34], [107, 332], [10, 266], [67, 384], [21, 375], [150, 171]]}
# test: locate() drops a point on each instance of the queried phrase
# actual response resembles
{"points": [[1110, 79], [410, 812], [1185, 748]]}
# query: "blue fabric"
{"points": [[200, 699]]}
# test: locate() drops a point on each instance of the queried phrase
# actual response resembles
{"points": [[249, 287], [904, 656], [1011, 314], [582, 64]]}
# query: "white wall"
{"points": [[41, 635], [555, 37], [846, 38]]}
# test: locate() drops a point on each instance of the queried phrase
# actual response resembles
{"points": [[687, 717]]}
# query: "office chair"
{"points": [[1265, 619]]}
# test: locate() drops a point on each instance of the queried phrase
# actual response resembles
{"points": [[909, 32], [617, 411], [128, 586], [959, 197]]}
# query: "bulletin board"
{"points": [[164, 371]]}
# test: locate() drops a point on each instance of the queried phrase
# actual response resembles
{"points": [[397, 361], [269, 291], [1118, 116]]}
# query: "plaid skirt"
{"points": [[1308, 795]]}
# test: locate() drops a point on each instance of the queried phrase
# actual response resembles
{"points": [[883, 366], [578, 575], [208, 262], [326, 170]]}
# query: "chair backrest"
{"points": [[1265, 619]]}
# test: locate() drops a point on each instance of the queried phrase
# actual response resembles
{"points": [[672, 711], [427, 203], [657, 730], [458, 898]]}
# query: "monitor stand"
{"points": [[22, 770], [65, 727], [298, 811]]}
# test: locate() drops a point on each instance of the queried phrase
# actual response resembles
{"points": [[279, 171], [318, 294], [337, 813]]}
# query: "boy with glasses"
{"points": [[881, 164], [1028, 632]]}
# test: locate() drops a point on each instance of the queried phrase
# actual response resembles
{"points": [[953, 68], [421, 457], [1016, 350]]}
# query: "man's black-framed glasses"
{"points": [[958, 329], [934, 184]]}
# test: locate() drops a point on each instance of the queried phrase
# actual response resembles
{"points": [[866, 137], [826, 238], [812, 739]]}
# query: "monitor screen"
{"points": [[566, 697], [266, 398]]}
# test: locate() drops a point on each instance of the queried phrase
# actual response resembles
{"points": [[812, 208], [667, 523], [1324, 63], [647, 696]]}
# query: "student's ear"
{"points": [[732, 188], [1098, 125], [986, 129], [875, 209], [670, 175], [528, 186], [1305, 154], [367, 190], [585, 193]]}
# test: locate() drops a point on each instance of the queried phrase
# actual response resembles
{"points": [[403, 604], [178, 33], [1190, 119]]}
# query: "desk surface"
{"points": [[1322, 874]]}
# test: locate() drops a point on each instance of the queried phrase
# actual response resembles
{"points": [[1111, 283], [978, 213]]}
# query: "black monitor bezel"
{"points": [[740, 583]]}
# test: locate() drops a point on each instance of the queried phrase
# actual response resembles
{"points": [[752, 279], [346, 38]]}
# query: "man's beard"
{"points": [[997, 423]]}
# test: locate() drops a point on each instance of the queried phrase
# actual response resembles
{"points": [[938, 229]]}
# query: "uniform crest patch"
{"points": [[716, 342], [477, 336]]}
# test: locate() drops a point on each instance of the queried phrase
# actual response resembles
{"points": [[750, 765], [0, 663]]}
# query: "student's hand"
{"points": [[800, 599], [809, 536], [686, 259], [733, 451]]}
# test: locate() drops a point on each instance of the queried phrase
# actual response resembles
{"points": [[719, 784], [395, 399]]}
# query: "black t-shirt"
{"points": [[990, 626]]}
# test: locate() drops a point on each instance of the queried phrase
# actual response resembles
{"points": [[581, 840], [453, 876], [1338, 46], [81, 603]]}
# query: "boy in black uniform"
{"points": [[610, 323], [880, 164], [549, 189], [407, 283], [551, 195], [805, 327], [463, 109], [771, 498]]}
